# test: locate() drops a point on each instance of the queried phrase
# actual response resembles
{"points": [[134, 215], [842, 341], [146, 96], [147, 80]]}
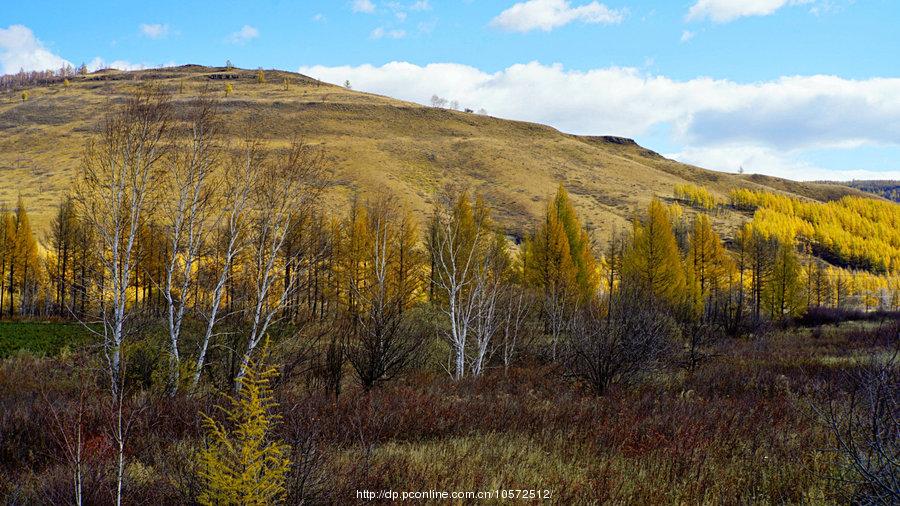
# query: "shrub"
{"points": [[866, 429], [622, 346], [817, 316]]}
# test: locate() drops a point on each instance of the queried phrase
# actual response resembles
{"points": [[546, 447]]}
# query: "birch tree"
{"points": [[238, 180], [457, 242], [516, 306], [490, 282], [187, 196], [288, 184], [113, 195]]}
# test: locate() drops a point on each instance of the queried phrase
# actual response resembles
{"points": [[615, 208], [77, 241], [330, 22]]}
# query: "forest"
{"points": [[241, 342]]}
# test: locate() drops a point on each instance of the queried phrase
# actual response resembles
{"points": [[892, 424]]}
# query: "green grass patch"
{"points": [[40, 338]]}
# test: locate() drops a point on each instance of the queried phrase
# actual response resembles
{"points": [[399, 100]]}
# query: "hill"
{"points": [[883, 188], [373, 144]]}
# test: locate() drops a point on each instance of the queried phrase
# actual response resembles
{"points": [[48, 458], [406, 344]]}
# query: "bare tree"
{"points": [[622, 349], [238, 181], [380, 341], [114, 196], [516, 306], [486, 295], [865, 424], [559, 312], [68, 428], [698, 334]]}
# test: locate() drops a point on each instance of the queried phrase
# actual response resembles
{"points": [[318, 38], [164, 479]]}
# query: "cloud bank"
{"points": [[21, 50], [714, 120]]}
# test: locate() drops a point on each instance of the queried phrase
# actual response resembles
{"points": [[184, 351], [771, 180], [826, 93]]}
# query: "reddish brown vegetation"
{"points": [[738, 429]]}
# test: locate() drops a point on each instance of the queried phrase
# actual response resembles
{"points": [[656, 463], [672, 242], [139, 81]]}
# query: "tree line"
{"points": [[855, 232], [223, 239]]}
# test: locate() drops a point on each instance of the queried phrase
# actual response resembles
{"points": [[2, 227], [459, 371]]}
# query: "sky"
{"points": [[804, 89]]}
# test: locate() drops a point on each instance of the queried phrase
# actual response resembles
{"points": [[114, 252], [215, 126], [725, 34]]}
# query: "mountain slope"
{"points": [[373, 144]]}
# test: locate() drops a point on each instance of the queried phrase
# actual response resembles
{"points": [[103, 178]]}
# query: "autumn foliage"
{"points": [[854, 232], [242, 463]]}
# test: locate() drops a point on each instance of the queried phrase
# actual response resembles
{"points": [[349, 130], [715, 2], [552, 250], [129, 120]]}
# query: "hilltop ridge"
{"points": [[373, 144]]}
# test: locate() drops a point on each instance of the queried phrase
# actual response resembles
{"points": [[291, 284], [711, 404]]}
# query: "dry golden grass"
{"points": [[373, 144]]}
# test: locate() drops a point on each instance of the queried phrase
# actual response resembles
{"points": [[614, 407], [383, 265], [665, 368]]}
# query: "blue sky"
{"points": [[806, 89]]}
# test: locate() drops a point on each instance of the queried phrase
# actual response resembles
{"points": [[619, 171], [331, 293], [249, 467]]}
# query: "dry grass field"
{"points": [[372, 143]]}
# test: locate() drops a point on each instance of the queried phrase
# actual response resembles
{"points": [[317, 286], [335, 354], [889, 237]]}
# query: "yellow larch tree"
{"points": [[652, 260], [707, 263], [557, 257], [243, 463], [783, 292]]}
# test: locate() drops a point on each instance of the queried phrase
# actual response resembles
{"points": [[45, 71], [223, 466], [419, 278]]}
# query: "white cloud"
{"points": [[21, 50], [723, 11], [762, 160], [549, 14], [363, 6], [319, 18], [98, 63], [427, 27], [790, 114], [380, 33], [420, 5], [243, 35], [155, 31], [687, 35]]}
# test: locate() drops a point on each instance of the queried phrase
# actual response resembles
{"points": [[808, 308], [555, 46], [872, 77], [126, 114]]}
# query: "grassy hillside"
{"points": [[373, 144]]}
